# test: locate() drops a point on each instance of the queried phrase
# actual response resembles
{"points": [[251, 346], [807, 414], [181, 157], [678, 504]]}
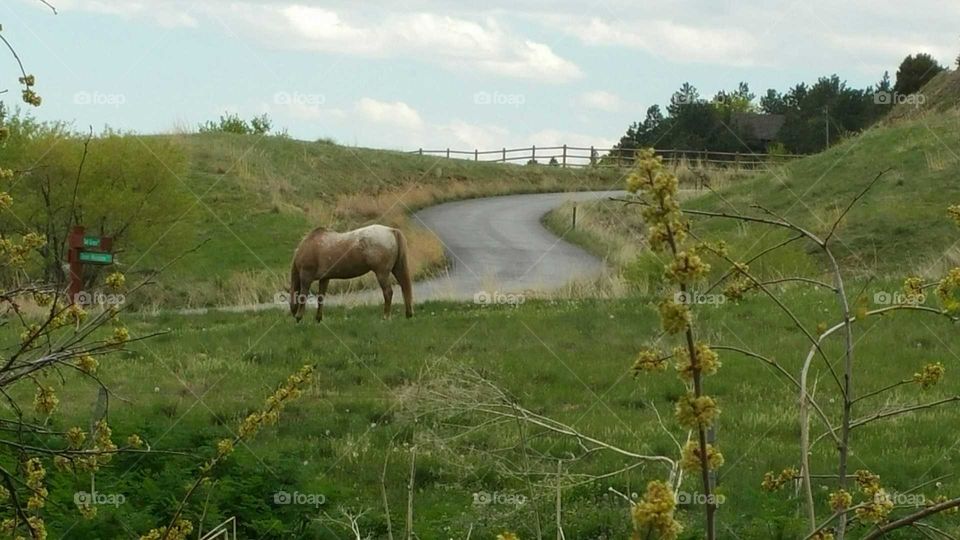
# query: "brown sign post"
{"points": [[84, 249]]}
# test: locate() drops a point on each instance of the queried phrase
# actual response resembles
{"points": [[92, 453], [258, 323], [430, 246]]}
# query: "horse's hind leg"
{"points": [[387, 287], [321, 293]]}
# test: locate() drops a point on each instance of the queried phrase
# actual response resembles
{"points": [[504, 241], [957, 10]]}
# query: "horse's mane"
{"points": [[318, 230]]}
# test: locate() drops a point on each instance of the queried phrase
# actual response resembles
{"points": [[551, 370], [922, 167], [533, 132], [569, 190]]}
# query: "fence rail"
{"points": [[582, 156]]}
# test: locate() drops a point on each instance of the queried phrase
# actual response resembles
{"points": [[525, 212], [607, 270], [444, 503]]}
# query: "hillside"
{"points": [[258, 196], [900, 227]]}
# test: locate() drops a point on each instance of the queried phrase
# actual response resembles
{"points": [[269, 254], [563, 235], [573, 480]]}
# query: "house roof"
{"points": [[761, 127]]}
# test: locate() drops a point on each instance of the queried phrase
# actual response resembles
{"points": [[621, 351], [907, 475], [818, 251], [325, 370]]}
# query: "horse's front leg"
{"points": [[321, 293]]}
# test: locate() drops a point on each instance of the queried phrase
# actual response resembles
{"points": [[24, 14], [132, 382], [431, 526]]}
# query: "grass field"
{"points": [[568, 360]]}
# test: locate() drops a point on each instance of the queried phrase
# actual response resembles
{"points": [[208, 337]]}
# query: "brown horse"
{"points": [[324, 255]]}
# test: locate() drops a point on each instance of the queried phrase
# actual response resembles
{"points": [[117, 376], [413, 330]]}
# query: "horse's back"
{"points": [[349, 254]]}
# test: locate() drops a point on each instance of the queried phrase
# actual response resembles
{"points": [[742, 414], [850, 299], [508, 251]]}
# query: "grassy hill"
{"points": [[254, 197], [900, 227]]}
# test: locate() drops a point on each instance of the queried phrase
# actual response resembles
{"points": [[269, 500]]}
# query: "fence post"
{"points": [[448, 153], [574, 225], [504, 154], [592, 160], [421, 151], [533, 153], [476, 154], [565, 163]]}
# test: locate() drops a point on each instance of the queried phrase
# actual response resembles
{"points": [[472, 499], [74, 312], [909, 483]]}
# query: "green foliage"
{"points": [[232, 123], [129, 187], [914, 72]]}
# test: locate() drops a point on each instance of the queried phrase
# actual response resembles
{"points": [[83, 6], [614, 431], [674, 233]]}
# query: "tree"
{"points": [[914, 72]]}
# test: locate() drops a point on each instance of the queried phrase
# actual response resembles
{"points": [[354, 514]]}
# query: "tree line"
{"points": [[813, 115]]}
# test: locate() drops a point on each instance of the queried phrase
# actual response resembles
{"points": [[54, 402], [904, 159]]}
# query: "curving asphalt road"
{"points": [[498, 245]]}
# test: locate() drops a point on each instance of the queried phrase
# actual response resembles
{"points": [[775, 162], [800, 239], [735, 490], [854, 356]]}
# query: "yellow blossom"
{"points": [[947, 291], [87, 364], [690, 457], [134, 441], [773, 482], [840, 500], [116, 280], [45, 401], [674, 316], [693, 411], [75, 438], [705, 360], [650, 360], [876, 509], [654, 512], [930, 375], [687, 268], [954, 213]]}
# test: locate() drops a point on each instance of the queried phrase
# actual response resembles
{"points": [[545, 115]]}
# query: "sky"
{"points": [[409, 74]]}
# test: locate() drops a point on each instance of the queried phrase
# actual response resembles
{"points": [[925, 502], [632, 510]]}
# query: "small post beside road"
{"points": [[84, 249], [448, 153], [574, 224], [565, 156], [476, 154]]}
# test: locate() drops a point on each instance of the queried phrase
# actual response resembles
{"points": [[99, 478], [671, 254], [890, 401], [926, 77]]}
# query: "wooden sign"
{"points": [[84, 249]]}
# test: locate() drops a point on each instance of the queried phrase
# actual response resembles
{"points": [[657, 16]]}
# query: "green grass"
{"points": [[569, 360]]}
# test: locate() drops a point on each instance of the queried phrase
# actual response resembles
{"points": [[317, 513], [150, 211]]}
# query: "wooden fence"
{"points": [[580, 156]]}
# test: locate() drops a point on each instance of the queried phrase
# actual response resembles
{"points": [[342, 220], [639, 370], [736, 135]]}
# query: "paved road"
{"points": [[496, 246]]}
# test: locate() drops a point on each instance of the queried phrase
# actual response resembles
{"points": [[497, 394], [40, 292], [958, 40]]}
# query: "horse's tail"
{"points": [[401, 271], [295, 294]]}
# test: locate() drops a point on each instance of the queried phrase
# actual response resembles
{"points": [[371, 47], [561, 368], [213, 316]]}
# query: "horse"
{"points": [[324, 255]]}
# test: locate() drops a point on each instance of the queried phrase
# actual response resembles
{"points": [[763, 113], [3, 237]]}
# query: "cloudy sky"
{"points": [[416, 73]]}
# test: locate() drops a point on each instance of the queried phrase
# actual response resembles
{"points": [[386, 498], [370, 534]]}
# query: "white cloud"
{"points": [[465, 136], [396, 113], [725, 46], [602, 101], [454, 43]]}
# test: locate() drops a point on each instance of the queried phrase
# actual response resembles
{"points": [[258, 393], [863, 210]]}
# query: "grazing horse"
{"points": [[324, 255]]}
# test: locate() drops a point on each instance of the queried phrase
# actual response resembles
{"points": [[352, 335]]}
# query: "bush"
{"points": [[232, 123]]}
